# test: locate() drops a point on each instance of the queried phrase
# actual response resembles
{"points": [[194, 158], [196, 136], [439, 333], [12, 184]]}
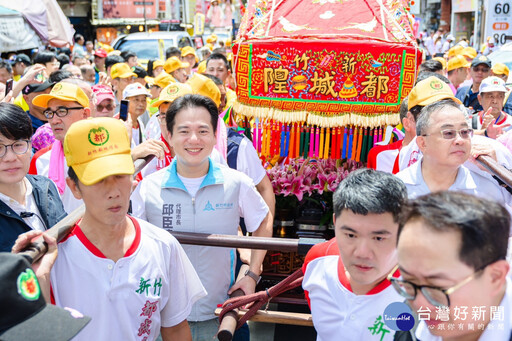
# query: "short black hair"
{"points": [[172, 52], [431, 65], [217, 56], [63, 59], [484, 225], [216, 80], [150, 67], [191, 101], [113, 59], [403, 109], [367, 191], [416, 111], [128, 54], [72, 175], [15, 124], [6, 65], [139, 71], [58, 75], [44, 57]]}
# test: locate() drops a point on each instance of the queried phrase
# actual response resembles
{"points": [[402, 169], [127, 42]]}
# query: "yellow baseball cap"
{"points": [[457, 62], [441, 60], [500, 69], [157, 63], [171, 92], [202, 85], [173, 64], [162, 80], [428, 91], [201, 68], [121, 70], [97, 148], [455, 51], [468, 52], [64, 91], [189, 50], [212, 39]]}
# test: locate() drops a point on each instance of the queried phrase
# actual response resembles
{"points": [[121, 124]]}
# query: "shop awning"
{"points": [[46, 19], [15, 33]]}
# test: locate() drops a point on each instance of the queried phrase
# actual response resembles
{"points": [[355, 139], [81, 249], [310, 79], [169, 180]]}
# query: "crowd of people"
{"points": [[423, 224]]}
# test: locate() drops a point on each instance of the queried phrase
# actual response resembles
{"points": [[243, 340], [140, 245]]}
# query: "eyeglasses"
{"points": [[109, 107], [60, 112], [161, 116], [434, 295], [19, 147], [450, 134], [481, 69]]}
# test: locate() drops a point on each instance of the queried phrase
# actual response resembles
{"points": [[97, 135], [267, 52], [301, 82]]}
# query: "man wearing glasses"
{"points": [[468, 95], [66, 104], [345, 278], [444, 139], [455, 275]]}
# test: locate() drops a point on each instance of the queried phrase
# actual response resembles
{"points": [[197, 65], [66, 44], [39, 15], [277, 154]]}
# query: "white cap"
{"points": [[450, 37], [492, 83], [135, 89]]}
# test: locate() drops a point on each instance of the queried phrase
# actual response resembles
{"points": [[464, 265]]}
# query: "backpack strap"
{"points": [[234, 140]]}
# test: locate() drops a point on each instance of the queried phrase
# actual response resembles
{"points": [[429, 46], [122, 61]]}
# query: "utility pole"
{"points": [[145, 23]]}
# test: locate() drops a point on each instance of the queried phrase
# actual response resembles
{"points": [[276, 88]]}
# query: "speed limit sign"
{"points": [[499, 20]]}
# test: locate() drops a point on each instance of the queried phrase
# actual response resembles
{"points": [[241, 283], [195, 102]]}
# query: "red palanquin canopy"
{"points": [[327, 63]]}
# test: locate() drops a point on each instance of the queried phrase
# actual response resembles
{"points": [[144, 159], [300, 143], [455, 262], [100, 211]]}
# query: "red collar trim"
{"points": [[375, 290], [77, 231]]}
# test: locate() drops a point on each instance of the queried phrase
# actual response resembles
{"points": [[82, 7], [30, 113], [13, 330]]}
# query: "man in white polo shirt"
{"points": [[444, 138], [195, 194], [132, 278], [345, 278], [451, 255]]}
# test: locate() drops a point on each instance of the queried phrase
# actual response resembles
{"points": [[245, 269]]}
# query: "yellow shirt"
{"points": [[20, 101]]}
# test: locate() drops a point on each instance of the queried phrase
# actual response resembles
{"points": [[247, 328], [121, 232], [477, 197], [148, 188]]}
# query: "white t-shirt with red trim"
{"points": [[385, 158], [154, 285], [338, 313], [40, 165]]}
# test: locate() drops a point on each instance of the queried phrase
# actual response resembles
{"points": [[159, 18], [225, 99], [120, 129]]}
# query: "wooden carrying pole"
{"points": [[496, 169], [297, 319], [59, 231]]}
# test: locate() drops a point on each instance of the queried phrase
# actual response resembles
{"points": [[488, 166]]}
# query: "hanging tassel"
{"points": [[364, 150], [307, 140], [333, 143], [302, 136], [317, 141], [350, 141], [327, 140], [321, 147], [287, 144], [312, 143], [359, 144]]}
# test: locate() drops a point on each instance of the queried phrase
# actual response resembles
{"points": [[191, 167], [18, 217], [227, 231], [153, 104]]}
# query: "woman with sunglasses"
{"points": [[27, 202]]}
